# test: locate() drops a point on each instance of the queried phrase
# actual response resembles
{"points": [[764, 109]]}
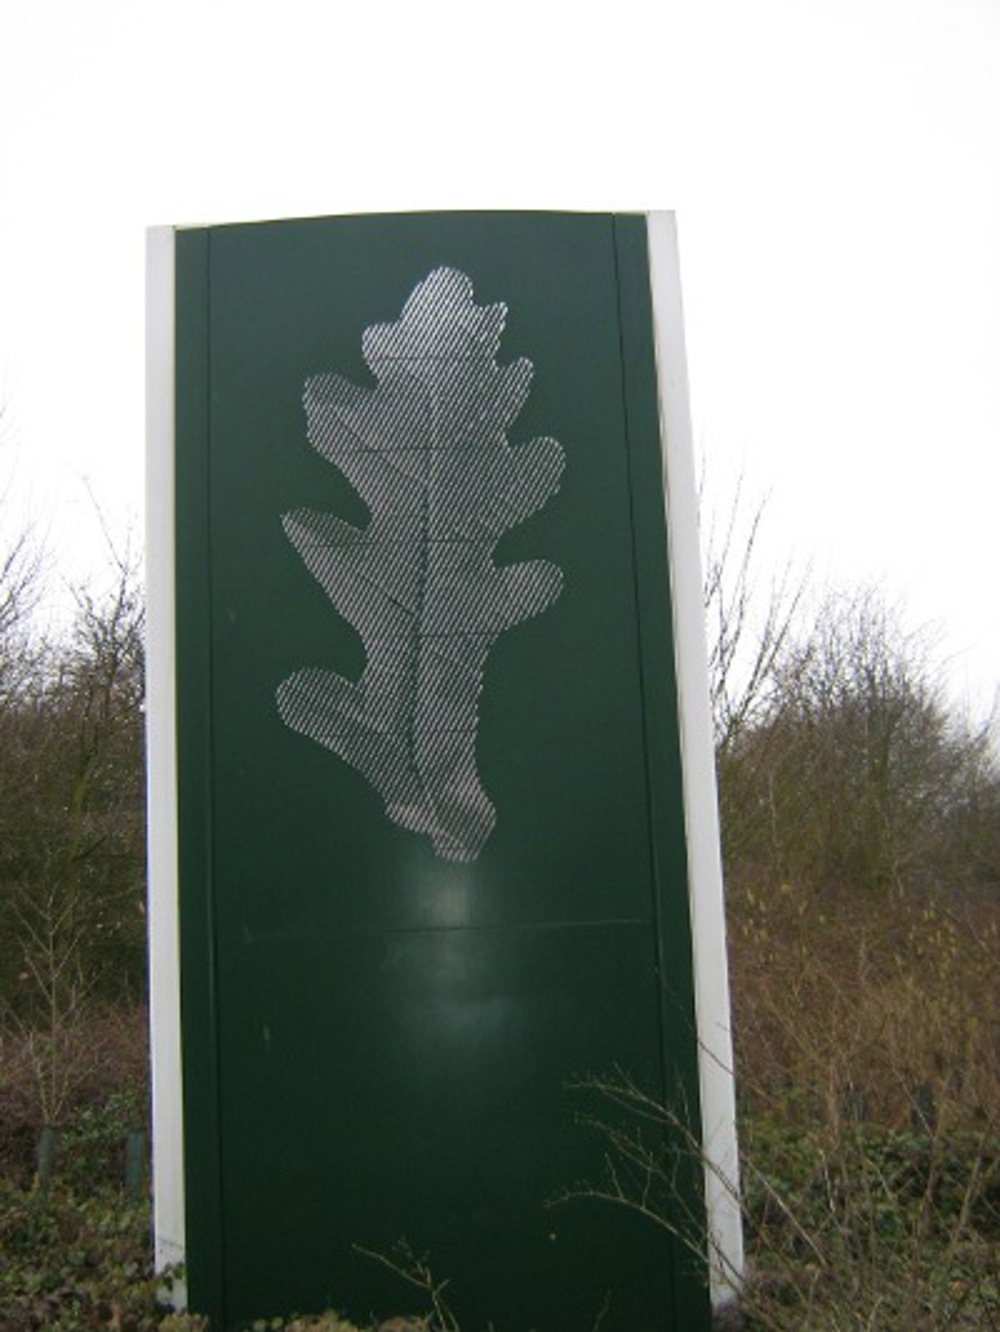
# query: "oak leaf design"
{"points": [[427, 452]]}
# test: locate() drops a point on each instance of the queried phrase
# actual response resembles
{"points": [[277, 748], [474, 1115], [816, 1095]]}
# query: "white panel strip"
{"points": [[708, 926], [161, 756]]}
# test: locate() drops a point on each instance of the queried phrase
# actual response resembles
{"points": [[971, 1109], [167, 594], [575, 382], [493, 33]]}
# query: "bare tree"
{"points": [[22, 569], [858, 771], [71, 811], [747, 631]]}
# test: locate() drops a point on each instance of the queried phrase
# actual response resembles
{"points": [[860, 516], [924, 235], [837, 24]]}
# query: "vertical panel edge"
{"points": [[712, 1004], [161, 760], [203, 1202]]}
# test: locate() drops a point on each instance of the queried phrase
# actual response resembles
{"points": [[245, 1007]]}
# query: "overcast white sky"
{"points": [[835, 166]]}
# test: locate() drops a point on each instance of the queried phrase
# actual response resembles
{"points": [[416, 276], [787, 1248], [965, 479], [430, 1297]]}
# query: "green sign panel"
{"points": [[430, 832]]}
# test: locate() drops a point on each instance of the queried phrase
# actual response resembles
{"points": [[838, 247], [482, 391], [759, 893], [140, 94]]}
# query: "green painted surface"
{"points": [[378, 1041]]}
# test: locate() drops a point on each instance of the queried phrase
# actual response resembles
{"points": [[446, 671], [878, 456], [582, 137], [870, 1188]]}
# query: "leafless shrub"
{"points": [[102, 1054], [843, 1009], [414, 1269]]}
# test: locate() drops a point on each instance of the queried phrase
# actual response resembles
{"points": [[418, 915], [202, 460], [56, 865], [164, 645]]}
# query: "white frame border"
{"points": [[161, 762], [701, 812]]}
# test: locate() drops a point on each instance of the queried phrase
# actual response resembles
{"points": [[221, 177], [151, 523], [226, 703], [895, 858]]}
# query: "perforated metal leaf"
{"points": [[427, 452]]}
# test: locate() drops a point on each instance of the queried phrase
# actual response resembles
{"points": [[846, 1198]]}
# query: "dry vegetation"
{"points": [[861, 821], [861, 829]]}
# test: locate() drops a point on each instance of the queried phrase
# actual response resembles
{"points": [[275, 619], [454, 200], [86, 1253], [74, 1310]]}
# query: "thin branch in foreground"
{"points": [[404, 1263]]}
